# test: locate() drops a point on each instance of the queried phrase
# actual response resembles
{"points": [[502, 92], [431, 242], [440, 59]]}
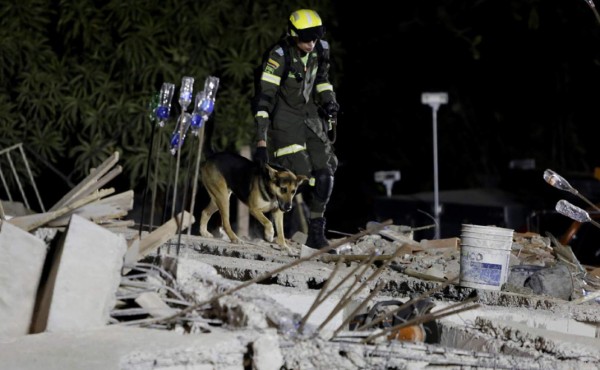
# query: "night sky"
{"points": [[522, 79]]}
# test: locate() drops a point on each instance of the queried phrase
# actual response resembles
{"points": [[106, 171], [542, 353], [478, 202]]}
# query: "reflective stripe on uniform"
{"points": [[290, 149], [262, 114], [324, 87], [271, 78], [312, 181]]}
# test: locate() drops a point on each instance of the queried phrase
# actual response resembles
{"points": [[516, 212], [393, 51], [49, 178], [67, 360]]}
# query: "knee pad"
{"points": [[323, 185]]}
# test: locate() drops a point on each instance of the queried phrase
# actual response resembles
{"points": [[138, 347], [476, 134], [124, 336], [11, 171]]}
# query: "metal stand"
{"points": [[434, 100]]}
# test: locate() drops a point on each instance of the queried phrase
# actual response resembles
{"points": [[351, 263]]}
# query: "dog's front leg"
{"points": [[278, 217], [267, 224]]}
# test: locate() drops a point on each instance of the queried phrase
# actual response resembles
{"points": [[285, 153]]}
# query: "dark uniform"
{"points": [[287, 117]]}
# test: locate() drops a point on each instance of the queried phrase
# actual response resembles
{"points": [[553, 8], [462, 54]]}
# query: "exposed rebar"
{"points": [[266, 275]]}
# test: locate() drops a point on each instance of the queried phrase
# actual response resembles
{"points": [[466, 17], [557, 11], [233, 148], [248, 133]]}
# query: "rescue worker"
{"points": [[294, 113]]}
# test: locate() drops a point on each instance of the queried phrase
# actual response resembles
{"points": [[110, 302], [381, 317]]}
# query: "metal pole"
{"points": [[436, 192], [35, 189], [155, 184], [434, 100], [150, 152], [196, 171]]}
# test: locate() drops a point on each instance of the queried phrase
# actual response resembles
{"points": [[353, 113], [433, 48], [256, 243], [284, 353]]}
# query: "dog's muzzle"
{"points": [[285, 207]]}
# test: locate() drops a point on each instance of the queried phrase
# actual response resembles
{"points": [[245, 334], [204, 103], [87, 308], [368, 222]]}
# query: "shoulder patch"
{"points": [[279, 51], [271, 66], [325, 44]]}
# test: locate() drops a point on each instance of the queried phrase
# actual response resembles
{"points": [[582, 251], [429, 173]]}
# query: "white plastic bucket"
{"points": [[484, 256]]}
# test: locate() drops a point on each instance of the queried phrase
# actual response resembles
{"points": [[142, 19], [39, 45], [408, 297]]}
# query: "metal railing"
{"points": [[7, 161]]}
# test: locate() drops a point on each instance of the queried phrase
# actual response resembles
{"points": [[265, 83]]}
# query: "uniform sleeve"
{"points": [[323, 86], [270, 79]]}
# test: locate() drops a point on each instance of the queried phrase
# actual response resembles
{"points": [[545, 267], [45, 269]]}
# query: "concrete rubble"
{"points": [[81, 289], [257, 326]]}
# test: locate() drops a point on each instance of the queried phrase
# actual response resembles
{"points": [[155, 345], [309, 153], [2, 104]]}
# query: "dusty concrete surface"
{"points": [[257, 327], [500, 326], [115, 347]]}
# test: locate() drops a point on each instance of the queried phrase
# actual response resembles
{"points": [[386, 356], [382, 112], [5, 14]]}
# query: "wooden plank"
{"points": [[164, 233], [102, 210], [31, 222], [131, 256], [353, 257], [441, 243], [399, 237], [84, 186], [93, 186], [394, 235], [118, 223]]}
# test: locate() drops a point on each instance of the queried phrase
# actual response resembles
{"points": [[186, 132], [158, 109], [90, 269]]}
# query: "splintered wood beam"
{"points": [[87, 183], [93, 186], [102, 210], [32, 222]]}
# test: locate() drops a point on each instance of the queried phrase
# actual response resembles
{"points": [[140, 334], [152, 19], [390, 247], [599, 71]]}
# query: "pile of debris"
{"points": [[83, 281]]}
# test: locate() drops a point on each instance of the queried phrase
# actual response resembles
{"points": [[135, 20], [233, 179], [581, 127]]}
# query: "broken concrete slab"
{"points": [[251, 313], [558, 344], [555, 281], [83, 278], [21, 266], [118, 347], [267, 354]]}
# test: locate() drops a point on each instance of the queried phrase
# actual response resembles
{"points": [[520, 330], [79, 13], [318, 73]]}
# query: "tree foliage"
{"points": [[76, 77]]}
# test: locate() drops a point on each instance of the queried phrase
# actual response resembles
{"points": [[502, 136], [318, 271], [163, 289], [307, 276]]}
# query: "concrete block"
{"points": [[116, 347], [84, 277], [267, 353], [21, 266]]}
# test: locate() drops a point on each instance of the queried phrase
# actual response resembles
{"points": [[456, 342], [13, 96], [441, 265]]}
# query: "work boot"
{"points": [[316, 234]]}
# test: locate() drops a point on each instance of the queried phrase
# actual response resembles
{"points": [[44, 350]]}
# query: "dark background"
{"points": [[522, 79]]}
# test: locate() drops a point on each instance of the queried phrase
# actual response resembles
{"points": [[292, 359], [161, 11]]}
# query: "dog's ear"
{"points": [[300, 179], [271, 171]]}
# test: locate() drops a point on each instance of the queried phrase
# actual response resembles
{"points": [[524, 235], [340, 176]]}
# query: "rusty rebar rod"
{"points": [[344, 303], [320, 299], [365, 265], [321, 293]]}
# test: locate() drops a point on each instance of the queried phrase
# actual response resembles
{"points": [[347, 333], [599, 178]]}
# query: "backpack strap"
{"points": [[284, 43], [320, 53]]}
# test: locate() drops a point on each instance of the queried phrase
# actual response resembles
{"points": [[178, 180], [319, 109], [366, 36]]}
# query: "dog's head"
{"points": [[284, 184]]}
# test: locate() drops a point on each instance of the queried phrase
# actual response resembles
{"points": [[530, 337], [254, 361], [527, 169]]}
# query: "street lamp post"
{"points": [[434, 100]]}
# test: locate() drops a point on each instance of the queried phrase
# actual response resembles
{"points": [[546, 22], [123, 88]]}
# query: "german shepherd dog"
{"points": [[268, 189]]}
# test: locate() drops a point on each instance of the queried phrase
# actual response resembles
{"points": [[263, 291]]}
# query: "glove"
{"points": [[260, 156], [331, 109], [262, 126]]}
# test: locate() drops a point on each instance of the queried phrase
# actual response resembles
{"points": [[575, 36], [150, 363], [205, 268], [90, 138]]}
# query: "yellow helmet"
{"points": [[306, 25]]}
